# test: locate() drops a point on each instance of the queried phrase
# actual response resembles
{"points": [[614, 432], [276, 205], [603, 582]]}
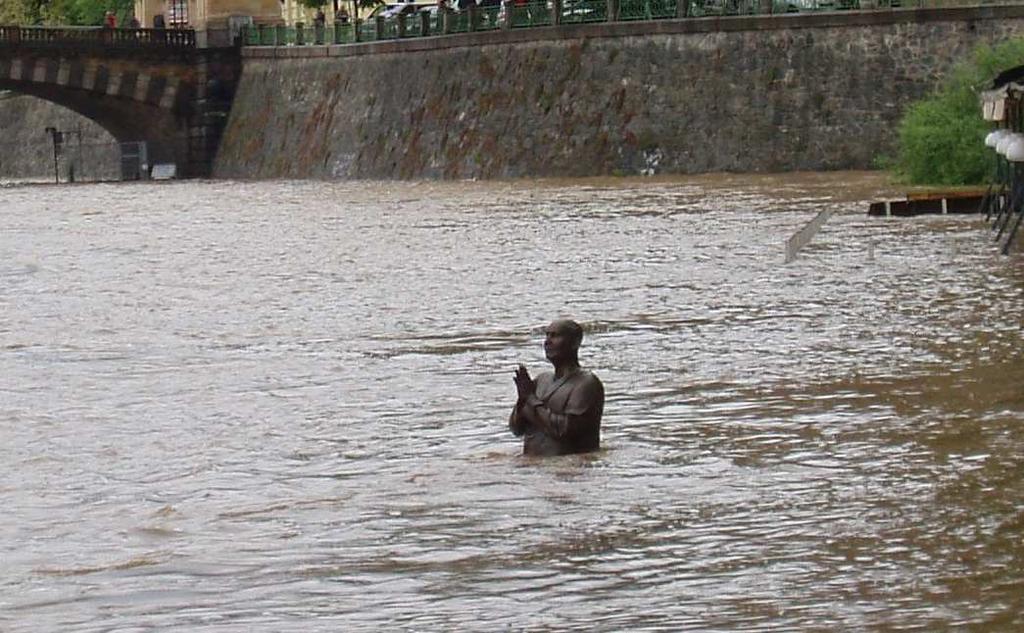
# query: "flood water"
{"points": [[282, 406]]}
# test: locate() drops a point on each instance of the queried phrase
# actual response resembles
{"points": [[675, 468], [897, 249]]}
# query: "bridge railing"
{"points": [[97, 37], [517, 14]]}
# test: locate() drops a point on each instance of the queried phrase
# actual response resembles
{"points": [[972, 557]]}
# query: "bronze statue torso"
{"points": [[572, 396]]}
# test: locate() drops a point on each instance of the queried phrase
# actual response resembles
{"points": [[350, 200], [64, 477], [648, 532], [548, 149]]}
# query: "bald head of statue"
{"points": [[562, 340]]}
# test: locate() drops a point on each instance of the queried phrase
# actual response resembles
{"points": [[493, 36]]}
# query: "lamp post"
{"points": [[58, 139]]}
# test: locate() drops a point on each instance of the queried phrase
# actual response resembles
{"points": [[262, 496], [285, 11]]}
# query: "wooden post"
{"points": [[556, 12], [300, 34], [613, 10], [424, 23], [379, 27], [280, 35], [357, 33], [401, 25], [446, 21], [472, 15]]}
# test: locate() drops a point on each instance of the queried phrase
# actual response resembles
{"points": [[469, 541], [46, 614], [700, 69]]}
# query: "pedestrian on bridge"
{"points": [[465, 6]]}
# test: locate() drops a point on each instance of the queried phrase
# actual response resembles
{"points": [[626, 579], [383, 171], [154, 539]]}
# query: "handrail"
{"points": [[519, 14], [96, 37]]}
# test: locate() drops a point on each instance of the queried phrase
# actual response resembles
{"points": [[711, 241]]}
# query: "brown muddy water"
{"points": [[281, 406]]}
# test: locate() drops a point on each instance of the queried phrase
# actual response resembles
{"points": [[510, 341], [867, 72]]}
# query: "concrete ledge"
{"points": [[642, 28], [260, 52], [300, 51]]}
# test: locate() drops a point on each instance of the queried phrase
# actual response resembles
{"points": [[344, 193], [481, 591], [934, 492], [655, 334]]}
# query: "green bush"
{"points": [[63, 12], [941, 138]]}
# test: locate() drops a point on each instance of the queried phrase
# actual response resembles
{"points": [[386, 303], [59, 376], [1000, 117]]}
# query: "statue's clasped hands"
{"points": [[525, 386]]}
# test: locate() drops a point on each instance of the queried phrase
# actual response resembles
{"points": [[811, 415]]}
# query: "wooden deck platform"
{"points": [[930, 202]]}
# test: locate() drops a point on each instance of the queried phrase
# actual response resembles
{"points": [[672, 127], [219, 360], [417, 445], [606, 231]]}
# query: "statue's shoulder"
{"points": [[587, 384], [588, 376]]}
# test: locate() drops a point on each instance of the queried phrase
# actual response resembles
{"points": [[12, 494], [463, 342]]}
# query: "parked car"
{"points": [[388, 11]]}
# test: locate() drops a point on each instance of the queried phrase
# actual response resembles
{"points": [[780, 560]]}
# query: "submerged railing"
{"points": [[96, 37], [428, 21], [1003, 203]]}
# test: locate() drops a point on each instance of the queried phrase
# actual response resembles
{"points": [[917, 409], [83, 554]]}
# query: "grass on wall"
{"points": [[941, 138]]}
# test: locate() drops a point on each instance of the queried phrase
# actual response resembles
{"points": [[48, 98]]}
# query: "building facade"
{"points": [[207, 15], [293, 11]]}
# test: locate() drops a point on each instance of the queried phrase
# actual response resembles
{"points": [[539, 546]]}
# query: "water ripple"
{"points": [[282, 407]]}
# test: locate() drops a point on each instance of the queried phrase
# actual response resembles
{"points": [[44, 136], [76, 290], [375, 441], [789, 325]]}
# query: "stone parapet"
{"points": [[650, 27]]}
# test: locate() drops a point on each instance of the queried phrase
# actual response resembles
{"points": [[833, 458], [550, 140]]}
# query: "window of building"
{"points": [[177, 12]]}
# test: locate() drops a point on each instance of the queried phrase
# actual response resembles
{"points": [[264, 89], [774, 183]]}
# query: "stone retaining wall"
{"points": [[26, 149], [772, 93]]}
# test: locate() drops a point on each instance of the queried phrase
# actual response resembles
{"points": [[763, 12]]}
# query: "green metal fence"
{"points": [[517, 14], [647, 9], [529, 14]]}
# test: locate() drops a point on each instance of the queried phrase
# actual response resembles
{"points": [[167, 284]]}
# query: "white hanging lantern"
{"points": [[1015, 149], [1003, 142], [996, 136]]}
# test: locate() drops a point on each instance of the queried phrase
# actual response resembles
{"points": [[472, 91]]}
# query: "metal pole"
{"points": [[1016, 189], [1013, 231], [1003, 197], [52, 131], [997, 190]]}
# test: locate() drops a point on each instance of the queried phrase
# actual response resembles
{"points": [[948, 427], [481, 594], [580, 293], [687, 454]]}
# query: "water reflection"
{"points": [[281, 406]]}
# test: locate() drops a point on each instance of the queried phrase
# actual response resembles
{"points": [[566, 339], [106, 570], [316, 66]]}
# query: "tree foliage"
{"points": [[63, 12], [941, 137], [20, 11]]}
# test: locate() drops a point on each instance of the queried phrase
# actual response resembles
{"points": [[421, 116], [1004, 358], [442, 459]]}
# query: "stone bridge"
{"points": [[139, 84]]}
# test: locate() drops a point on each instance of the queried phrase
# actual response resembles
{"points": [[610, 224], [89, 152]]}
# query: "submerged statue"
{"points": [[559, 413]]}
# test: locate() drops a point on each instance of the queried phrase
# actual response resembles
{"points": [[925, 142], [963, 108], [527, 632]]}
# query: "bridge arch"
{"points": [[139, 85]]}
